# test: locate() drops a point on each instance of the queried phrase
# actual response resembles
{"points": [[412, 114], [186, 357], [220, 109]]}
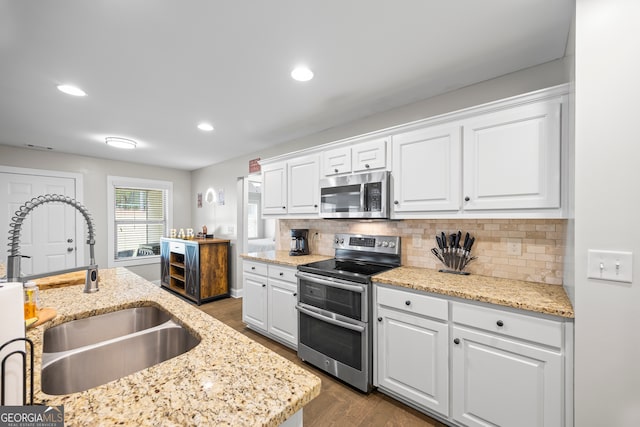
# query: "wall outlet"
{"points": [[416, 240], [514, 246]]}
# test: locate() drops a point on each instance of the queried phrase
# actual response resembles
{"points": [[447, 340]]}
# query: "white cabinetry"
{"points": [[471, 364], [507, 369], [411, 354], [426, 169], [512, 158], [358, 157], [269, 300], [291, 187]]}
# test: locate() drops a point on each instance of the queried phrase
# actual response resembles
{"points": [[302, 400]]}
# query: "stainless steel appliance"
{"points": [[334, 306], [364, 195], [299, 242]]}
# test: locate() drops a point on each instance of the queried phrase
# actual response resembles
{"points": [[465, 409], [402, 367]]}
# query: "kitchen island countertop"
{"points": [[227, 379]]}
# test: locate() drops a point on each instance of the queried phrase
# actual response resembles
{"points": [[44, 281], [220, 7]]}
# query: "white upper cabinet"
{"points": [[426, 169], [369, 155], [291, 187], [336, 161], [304, 185], [274, 189], [512, 158], [357, 157]]}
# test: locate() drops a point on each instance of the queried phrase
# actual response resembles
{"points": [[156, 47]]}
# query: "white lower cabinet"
{"points": [[411, 355], [269, 300], [498, 367]]}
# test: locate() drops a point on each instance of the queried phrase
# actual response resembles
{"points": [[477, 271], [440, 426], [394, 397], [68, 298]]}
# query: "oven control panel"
{"points": [[360, 242]]}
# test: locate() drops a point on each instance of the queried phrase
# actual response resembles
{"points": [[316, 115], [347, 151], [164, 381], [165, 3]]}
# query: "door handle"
{"points": [[69, 249]]}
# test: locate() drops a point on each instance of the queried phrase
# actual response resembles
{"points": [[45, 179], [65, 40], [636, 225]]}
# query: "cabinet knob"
{"points": [[467, 198], [395, 202], [253, 268], [500, 323], [379, 319], [407, 302], [284, 207], [335, 170], [315, 206], [295, 294], [456, 341], [264, 285], [366, 165], [281, 273]]}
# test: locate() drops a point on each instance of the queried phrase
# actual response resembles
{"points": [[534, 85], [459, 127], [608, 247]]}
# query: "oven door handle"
{"points": [[330, 320], [334, 283]]}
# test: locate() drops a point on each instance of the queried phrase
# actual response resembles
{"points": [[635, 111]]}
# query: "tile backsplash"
{"points": [[542, 243]]}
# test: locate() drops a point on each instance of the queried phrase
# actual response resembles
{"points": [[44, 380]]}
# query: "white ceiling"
{"points": [[153, 69]]}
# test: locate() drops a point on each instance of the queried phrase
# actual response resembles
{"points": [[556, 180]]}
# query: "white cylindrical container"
{"points": [[12, 321]]}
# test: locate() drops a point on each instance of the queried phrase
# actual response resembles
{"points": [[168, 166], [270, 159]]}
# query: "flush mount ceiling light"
{"points": [[71, 90], [302, 74], [115, 141], [205, 127]]}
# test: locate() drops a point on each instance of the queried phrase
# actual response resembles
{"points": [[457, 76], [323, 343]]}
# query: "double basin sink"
{"points": [[85, 353]]}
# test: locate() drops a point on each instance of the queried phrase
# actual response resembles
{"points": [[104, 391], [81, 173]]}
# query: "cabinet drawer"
{"points": [[254, 267], [412, 302], [176, 247], [287, 274], [515, 325]]}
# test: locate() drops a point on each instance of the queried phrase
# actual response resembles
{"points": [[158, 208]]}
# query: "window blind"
{"points": [[140, 221]]}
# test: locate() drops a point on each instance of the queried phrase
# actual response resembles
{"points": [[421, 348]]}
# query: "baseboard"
{"points": [[236, 293]]}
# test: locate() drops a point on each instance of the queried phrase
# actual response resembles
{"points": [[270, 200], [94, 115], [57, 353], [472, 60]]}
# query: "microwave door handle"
{"points": [[330, 320], [363, 197]]}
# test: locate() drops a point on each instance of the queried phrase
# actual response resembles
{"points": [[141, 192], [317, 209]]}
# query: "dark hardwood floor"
{"points": [[338, 404]]}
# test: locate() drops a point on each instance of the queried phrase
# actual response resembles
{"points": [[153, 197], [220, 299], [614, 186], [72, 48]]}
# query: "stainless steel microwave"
{"points": [[364, 195]]}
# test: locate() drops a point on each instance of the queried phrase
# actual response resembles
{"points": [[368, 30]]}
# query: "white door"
{"points": [[512, 158], [426, 168], [48, 234], [412, 358], [254, 301], [274, 189], [500, 382], [304, 185], [283, 321]]}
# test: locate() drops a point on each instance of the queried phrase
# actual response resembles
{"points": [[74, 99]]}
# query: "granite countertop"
{"points": [[283, 257], [537, 297], [227, 379]]}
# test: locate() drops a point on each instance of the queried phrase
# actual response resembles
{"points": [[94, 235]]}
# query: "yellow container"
{"points": [[30, 300]]}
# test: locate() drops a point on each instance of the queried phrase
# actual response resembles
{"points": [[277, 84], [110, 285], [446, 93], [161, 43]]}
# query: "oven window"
{"points": [[345, 198], [341, 344], [336, 300]]}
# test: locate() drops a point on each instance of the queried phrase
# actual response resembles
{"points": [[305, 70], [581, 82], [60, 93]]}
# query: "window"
{"points": [[252, 220], [138, 218]]}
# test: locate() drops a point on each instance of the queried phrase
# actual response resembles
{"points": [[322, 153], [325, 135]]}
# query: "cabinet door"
{"points": [[192, 270], [500, 382], [274, 189], [426, 169], [512, 158], [304, 184], [254, 301], [336, 161], [412, 358], [369, 155], [283, 320], [164, 263]]}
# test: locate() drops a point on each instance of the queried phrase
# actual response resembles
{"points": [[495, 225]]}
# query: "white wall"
{"points": [[94, 174], [607, 208]]}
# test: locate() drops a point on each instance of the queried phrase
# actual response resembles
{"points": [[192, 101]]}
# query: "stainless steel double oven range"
{"points": [[334, 306]]}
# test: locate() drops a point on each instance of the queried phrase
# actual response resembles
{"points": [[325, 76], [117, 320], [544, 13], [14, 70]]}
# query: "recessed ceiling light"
{"points": [[118, 142], [302, 74], [71, 90], [205, 127]]}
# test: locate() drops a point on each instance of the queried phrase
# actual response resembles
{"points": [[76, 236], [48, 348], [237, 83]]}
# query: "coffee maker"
{"points": [[299, 242]]}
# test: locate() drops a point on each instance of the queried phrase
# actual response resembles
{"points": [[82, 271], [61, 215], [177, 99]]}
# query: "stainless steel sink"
{"points": [[83, 367], [94, 329]]}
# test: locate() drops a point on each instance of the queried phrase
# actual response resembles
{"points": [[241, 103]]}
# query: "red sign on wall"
{"points": [[254, 166]]}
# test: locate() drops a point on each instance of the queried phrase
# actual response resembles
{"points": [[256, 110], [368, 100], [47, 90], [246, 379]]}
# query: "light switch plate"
{"points": [[416, 240], [610, 265]]}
